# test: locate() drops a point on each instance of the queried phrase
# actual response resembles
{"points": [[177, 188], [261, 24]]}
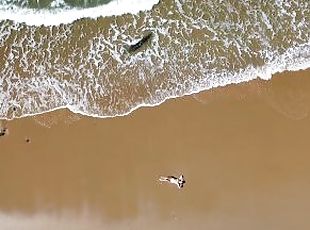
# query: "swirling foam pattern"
{"points": [[196, 45]]}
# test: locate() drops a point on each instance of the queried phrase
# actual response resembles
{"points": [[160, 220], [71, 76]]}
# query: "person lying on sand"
{"points": [[173, 180]]}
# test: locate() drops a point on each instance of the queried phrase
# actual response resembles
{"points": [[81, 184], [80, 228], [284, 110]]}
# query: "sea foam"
{"points": [[64, 15], [194, 47]]}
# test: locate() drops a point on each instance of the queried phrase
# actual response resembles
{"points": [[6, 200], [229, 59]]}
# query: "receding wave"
{"points": [[55, 12], [195, 45]]}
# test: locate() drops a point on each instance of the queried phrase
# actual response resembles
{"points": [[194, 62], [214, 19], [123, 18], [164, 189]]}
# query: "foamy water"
{"points": [[196, 45], [59, 12]]}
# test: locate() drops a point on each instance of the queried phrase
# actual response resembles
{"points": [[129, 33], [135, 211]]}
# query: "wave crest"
{"points": [[59, 12]]}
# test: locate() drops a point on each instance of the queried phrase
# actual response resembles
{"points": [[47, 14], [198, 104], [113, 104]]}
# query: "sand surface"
{"points": [[244, 151]]}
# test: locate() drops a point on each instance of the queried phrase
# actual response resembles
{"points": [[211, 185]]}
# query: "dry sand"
{"points": [[244, 151]]}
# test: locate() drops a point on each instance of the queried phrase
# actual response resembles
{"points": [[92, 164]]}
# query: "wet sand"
{"points": [[244, 151]]}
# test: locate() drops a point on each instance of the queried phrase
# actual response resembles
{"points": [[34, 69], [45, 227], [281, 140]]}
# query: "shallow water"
{"points": [[196, 45]]}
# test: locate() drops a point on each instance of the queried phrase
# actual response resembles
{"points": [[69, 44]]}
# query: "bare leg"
{"points": [[164, 179]]}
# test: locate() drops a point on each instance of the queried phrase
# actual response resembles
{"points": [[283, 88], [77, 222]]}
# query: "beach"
{"points": [[243, 150], [100, 99]]}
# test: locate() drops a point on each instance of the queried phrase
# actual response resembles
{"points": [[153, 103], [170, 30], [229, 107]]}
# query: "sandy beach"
{"points": [[243, 149]]}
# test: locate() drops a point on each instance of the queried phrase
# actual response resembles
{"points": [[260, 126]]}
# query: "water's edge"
{"points": [[73, 110]]}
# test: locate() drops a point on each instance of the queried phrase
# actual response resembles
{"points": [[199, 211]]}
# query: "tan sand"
{"points": [[244, 151]]}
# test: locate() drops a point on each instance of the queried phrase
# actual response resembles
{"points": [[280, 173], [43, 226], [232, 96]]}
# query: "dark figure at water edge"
{"points": [[134, 47], [2, 132]]}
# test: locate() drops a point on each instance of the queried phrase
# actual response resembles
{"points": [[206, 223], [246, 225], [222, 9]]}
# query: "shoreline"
{"points": [[143, 106]]}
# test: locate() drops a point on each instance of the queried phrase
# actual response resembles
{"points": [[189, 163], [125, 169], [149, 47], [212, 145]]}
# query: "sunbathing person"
{"points": [[173, 180]]}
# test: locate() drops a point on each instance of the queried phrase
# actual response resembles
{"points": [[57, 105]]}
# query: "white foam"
{"points": [[205, 73], [67, 15], [291, 60]]}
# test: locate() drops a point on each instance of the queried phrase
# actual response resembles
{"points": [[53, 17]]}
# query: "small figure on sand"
{"points": [[3, 131], [173, 180]]}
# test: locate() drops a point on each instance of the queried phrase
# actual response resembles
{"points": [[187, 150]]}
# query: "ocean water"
{"points": [[74, 54]]}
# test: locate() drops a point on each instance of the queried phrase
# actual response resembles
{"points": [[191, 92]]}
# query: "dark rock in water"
{"points": [[134, 47]]}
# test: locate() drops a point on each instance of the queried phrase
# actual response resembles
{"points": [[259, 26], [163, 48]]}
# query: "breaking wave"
{"points": [[55, 12]]}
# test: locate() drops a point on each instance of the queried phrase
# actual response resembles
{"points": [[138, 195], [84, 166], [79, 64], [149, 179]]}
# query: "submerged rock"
{"points": [[139, 44]]}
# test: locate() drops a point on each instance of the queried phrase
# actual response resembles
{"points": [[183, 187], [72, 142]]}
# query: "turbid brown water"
{"points": [[243, 149], [196, 45]]}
